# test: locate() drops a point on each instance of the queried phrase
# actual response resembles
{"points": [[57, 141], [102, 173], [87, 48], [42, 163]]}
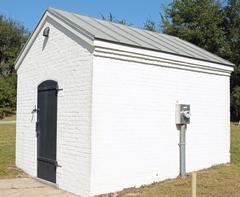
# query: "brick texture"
{"points": [[62, 59], [134, 136]]}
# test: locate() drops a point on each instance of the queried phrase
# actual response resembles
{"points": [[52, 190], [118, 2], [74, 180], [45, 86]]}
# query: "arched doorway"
{"points": [[46, 128]]}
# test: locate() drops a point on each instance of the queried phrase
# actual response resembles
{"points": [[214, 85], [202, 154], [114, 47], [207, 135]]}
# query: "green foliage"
{"points": [[199, 22], [150, 25], [235, 77], [231, 27], [12, 38], [8, 93], [235, 100], [212, 26], [111, 18]]}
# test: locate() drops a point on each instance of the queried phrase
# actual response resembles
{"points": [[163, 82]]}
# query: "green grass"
{"points": [[235, 144], [7, 152], [218, 181]]}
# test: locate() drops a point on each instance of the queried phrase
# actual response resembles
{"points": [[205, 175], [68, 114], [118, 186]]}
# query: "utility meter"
{"points": [[182, 114]]}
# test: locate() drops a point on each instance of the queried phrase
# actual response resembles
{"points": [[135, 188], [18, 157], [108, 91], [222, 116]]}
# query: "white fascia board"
{"points": [[128, 53], [47, 16]]}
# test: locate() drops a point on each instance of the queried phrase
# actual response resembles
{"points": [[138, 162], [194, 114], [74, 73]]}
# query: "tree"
{"points": [[212, 26], [8, 93], [199, 22], [150, 25], [232, 30], [111, 18], [235, 100], [12, 38]]}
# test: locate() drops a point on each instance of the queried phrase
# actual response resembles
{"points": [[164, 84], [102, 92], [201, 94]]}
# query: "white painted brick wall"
{"points": [[134, 137], [70, 64], [116, 119]]}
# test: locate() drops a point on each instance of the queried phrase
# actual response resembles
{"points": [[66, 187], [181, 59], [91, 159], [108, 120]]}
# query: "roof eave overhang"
{"points": [[104, 48]]}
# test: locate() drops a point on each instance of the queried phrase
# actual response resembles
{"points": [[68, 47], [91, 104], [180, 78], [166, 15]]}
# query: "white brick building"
{"points": [[96, 105]]}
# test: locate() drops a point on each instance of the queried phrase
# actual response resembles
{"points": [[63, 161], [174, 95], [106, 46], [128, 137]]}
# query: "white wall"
{"points": [[134, 137], [60, 58]]}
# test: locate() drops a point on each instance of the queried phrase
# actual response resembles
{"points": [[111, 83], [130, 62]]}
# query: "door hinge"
{"points": [[37, 129], [59, 89]]}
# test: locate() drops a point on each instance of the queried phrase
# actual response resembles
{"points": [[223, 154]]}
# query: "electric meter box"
{"points": [[182, 114]]}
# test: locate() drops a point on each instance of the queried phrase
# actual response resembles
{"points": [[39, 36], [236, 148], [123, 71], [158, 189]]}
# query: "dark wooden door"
{"points": [[46, 128]]}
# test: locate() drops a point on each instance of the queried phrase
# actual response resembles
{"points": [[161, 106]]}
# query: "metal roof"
{"points": [[128, 35]]}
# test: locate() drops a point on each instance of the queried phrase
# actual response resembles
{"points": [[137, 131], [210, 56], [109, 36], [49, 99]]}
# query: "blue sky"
{"points": [[135, 12]]}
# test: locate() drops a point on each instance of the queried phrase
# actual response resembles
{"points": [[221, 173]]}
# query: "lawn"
{"points": [[7, 152], [218, 181]]}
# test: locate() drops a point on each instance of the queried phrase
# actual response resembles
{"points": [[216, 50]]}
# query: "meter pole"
{"points": [[182, 149]]}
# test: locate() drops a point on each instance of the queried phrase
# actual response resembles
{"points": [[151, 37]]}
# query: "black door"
{"points": [[46, 128]]}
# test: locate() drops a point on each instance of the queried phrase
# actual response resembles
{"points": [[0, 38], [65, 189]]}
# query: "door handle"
{"points": [[57, 165], [35, 110]]}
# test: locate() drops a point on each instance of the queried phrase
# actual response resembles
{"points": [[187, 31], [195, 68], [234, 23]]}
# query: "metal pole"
{"points": [[182, 149]]}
